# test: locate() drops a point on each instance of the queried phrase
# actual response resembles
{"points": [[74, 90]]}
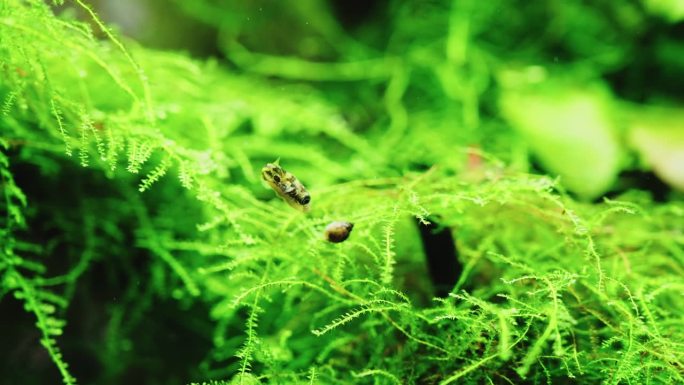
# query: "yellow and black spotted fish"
{"points": [[287, 186]]}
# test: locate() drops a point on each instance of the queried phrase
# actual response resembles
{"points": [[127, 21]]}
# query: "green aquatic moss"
{"points": [[133, 210]]}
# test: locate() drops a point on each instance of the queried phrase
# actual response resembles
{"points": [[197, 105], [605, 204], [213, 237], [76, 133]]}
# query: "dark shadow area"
{"points": [[639, 180], [23, 360], [441, 256], [657, 65], [353, 13], [121, 328]]}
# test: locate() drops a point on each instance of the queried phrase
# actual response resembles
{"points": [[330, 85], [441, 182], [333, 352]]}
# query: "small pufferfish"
{"points": [[286, 185], [338, 231]]}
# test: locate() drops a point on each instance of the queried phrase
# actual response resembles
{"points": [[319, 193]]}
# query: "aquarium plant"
{"points": [[467, 192]]}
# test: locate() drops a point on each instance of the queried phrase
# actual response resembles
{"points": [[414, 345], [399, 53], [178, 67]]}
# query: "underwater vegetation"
{"points": [[342, 192]]}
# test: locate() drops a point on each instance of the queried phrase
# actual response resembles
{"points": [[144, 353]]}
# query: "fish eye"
{"points": [[306, 200]]}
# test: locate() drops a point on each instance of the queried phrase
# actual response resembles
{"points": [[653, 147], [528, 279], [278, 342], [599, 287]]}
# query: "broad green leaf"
{"points": [[672, 10], [569, 129], [658, 137]]}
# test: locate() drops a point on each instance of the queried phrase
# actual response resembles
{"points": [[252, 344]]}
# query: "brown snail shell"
{"points": [[338, 231]]}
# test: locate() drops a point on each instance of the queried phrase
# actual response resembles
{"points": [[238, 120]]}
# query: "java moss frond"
{"points": [[16, 274], [145, 164]]}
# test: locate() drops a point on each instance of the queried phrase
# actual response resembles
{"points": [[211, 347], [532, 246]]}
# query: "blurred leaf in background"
{"points": [[569, 127], [657, 134]]}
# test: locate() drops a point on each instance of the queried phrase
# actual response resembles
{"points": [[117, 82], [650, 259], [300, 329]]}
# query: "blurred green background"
{"points": [[589, 91]]}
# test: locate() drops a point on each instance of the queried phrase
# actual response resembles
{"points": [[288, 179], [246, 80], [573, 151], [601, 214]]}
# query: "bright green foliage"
{"points": [[147, 163], [670, 9]]}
